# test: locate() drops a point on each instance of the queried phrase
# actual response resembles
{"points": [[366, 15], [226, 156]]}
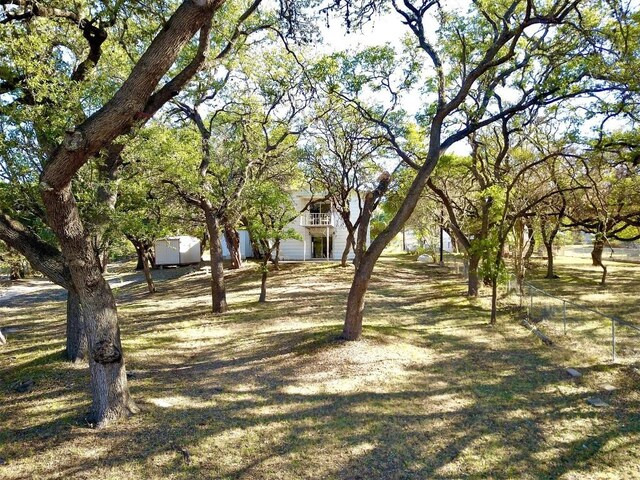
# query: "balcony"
{"points": [[317, 220]]}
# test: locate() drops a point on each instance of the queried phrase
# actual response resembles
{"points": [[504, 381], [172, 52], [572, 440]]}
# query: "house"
{"points": [[324, 235]]}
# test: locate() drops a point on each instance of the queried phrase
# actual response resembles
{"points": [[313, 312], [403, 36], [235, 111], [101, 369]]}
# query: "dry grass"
{"points": [[589, 333], [269, 392]]}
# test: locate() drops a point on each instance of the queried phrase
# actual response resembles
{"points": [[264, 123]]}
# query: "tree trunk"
{"points": [[494, 301], [365, 261], [596, 257], [3, 340], [532, 241], [547, 239], [355, 303], [550, 273], [370, 201], [204, 242], [109, 388], [263, 284], [472, 282], [276, 259], [218, 290], [76, 336], [232, 238], [347, 249], [256, 247], [140, 254], [147, 272]]}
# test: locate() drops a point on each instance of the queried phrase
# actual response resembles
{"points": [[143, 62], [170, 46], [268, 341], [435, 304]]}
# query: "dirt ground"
{"points": [[270, 392]]}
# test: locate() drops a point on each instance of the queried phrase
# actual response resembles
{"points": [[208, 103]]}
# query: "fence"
{"points": [[582, 327]]}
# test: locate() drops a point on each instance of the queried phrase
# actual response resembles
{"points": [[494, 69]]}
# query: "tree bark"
{"points": [[549, 247], [76, 336], [355, 302], [473, 280], [347, 249], [276, 250], [532, 241], [596, 257], [218, 290], [107, 197], [232, 238], [263, 283], [110, 392], [147, 272], [365, 261], [548, 239]]}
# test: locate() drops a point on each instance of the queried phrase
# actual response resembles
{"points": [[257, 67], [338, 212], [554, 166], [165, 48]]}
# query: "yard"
{"points": [[267, 391]]}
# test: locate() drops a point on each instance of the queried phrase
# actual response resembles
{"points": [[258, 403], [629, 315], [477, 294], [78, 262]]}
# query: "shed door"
{"points": [[168, 252]]}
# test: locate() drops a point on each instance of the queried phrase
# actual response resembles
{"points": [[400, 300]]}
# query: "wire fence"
{"points": [[580, 327]]}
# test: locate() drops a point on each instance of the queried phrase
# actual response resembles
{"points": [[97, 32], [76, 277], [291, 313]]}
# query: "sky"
{"points": [[385, 28]]}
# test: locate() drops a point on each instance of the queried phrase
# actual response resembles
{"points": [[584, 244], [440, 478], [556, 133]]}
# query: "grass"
{"points": [[269, 392], [589, 333]]}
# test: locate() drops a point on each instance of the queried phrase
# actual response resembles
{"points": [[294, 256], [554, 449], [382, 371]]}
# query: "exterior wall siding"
{"points": [[302, 249]]}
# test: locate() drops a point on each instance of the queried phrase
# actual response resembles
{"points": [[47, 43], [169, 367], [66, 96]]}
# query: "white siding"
{"points": [[181, 250], [302, 249], [245, 245]]}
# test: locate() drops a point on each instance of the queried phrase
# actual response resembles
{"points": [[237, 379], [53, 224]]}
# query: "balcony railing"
{"points": [[317, 220]]}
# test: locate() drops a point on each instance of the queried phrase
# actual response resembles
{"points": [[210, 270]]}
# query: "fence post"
{"points": [[613, 340], [564, 315]]}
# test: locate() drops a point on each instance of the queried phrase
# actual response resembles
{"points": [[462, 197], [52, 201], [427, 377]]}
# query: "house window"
{"points": [[320, 214], [319, 247], [321, 207]]}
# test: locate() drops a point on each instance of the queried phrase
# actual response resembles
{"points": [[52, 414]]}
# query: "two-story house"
{"points": [[324, 235]]}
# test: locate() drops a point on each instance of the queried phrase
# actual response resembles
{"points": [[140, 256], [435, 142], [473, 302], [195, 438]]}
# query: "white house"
{"points": [[323, 233]]}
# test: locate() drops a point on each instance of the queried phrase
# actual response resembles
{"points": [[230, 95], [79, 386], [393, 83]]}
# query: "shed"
{"points": [[245, 245], [179, 250]]}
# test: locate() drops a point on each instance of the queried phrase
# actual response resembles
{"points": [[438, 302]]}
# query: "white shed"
{"points": [[245, 245], [180, 250]]}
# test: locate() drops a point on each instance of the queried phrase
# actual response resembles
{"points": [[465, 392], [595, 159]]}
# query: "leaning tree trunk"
{"points": [[218, 290], [146, 267], [532, 242], [109, 388], [49, 260], [473, 280], [232, 237], [355, 302], [596, 257], [3, 340], [76, 336], [365, 261], [370, 201]]}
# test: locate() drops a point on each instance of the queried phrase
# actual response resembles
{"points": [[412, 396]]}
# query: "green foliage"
{"points": [[270, 213]]}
